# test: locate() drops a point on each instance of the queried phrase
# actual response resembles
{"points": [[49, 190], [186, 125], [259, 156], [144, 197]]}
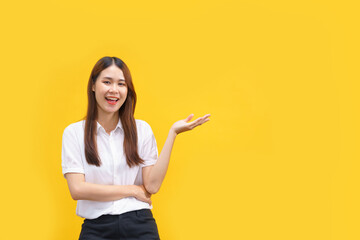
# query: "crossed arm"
{"points": [[81, 190], [153, 176]]}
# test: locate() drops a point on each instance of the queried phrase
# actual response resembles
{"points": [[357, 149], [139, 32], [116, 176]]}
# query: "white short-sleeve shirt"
{"points": [[113, 170]]}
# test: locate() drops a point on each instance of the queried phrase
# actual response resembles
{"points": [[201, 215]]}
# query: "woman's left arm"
{"points": [[154, 175]]}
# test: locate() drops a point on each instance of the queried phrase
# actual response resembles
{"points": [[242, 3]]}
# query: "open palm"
{"points": [[184, 124]]}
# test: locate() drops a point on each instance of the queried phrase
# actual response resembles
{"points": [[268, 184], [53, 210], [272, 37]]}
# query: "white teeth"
{"points": [[112, 99]]}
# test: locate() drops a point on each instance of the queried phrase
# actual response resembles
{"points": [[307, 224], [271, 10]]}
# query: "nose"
{"points": [[113, 87]]}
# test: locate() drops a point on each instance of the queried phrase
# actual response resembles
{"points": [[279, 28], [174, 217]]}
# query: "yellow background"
{"points": [[279, 158]]}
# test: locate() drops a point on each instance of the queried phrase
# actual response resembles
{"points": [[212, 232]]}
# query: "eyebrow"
{"points": [[112, 79]]}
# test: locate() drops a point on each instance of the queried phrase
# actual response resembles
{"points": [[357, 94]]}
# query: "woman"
{"points": [[110, 160]]}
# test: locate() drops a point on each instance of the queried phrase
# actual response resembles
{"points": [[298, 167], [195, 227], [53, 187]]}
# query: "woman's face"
{"points": [[110, 90]]}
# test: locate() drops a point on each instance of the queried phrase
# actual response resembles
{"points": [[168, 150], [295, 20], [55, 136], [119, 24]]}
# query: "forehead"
{"points": [[112, 71]]}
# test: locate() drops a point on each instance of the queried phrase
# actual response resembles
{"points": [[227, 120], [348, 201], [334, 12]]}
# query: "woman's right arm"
{"points": [[81, 190]]}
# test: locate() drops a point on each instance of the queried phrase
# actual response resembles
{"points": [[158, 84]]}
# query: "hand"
{"points": [[184, 124], [141, 194]]}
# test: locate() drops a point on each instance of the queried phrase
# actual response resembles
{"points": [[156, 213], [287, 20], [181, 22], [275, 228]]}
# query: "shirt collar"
{"points": [[118, 125]]}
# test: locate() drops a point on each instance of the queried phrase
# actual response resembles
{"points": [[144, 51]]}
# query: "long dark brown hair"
{"points": [[126, 115]]}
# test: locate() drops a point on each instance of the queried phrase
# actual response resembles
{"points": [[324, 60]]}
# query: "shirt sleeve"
{"points": [[70, 152], [149, 151]]}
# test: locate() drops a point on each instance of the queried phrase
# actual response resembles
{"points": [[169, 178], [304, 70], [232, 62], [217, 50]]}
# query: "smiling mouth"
{"points": [[111, 101]]}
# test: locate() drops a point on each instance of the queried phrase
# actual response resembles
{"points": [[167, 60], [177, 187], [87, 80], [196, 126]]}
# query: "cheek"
{"points": [[99, 96], [124, 93]]}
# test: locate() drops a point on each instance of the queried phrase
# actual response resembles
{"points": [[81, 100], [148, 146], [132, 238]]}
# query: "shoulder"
{"points": [[75, 128], [143, 127], [141, 123]]}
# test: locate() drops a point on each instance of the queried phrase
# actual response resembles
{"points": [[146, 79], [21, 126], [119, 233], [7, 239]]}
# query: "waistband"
{"points": [[134, 213]]}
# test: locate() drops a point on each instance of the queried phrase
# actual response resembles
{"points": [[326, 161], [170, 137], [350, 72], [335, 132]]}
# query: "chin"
{"points": [[113, 110]]}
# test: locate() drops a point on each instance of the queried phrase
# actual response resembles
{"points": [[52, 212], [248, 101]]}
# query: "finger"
{"points": [[205, 120], [201, 121], [193, 123], [189, 117], [200, 118]]}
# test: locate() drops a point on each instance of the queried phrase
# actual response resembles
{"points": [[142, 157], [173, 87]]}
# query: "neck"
{"points": [[108, 121]]}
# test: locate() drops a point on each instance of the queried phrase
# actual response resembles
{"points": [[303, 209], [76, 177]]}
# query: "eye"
{"points": [[121, 84], [106, 82]]}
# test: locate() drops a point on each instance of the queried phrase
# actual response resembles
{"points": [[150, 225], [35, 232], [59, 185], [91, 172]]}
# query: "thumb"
{"points": [[189, 117]]}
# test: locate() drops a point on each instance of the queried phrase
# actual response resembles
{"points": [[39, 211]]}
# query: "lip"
{"points": [[112, 97], [110, 101]]}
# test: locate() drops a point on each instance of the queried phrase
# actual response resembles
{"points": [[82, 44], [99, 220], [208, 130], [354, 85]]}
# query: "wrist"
{"points": [[132, 191], [172, 132]]}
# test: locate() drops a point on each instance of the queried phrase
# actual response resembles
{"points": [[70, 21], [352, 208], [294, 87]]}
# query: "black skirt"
{"points": [[133, 225]]}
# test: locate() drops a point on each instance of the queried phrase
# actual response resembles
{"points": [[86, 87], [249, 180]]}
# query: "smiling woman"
{"points": [[113, 91], [110, 159]]}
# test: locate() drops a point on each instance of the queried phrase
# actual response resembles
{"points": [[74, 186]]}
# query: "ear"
{"points": [[93, 89]]}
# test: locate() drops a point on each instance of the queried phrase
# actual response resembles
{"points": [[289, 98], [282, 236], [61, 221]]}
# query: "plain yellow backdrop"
{"points": [[279, 158]]}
